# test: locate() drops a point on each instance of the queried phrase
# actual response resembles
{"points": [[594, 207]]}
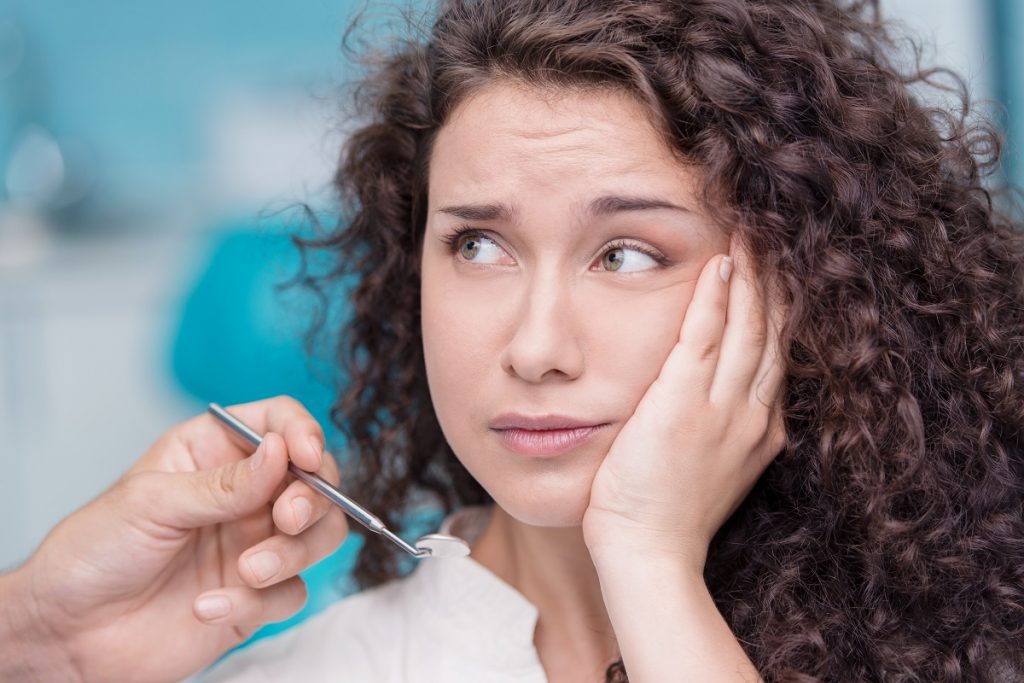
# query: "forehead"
{"points": [[516, 135]]}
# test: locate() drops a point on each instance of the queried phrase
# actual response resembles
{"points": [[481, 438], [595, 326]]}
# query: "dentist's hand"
{"points": [[703, 432], [186, 554]]}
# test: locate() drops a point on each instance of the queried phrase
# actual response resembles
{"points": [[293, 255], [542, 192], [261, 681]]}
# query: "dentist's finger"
{"points": [[244, 606], [188, 500], [280, 557], [302, 433], [299, 506], [288, 417]]}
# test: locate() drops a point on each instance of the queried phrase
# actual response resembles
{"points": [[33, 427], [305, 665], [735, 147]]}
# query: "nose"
{"points": [[545, 342]]}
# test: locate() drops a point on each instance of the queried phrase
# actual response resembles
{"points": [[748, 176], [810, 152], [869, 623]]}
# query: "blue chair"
{"points": [[240, 338]]}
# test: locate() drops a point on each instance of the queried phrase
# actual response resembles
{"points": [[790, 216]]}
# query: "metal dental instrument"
{"points": [[430, 545]]}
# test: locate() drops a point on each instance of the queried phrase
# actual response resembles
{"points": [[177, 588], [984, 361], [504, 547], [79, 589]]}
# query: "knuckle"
{"points": [[759, 335], [700, 343], [284, 402], [222, 485], [707, 350], [226, 480], [296, 595], [304, 426]]}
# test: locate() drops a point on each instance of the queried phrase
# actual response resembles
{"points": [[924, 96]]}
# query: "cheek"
{"points": [[456, 351], [634, 336], [624, 337]]}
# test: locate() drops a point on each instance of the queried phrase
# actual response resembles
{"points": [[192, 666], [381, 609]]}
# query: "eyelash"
{"points": [[452, 240]]}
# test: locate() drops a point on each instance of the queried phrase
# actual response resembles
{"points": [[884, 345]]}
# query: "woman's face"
{"points": [[563, 306]]}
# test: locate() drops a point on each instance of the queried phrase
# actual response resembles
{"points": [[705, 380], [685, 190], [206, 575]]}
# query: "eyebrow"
{"points": [[601, 206]]}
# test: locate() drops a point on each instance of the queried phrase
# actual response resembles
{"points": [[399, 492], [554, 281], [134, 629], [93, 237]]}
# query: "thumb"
{"points": [[194, 499]]}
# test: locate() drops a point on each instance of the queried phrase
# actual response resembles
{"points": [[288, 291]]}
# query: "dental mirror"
{"points": [[440, 545], [430, 545]]}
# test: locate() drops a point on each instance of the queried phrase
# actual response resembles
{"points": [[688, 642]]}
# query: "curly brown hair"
{"points": [[886, 542]]}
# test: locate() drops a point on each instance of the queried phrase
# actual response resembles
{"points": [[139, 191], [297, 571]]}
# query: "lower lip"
{"points": [[546, 442]]}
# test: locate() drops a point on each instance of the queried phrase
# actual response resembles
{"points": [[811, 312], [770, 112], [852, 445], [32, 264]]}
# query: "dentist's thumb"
{"points": [[190, 500]]}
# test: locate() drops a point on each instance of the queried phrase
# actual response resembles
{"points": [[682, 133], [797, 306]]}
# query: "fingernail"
{"points": [[256, 459], [318, 450], [725, 268], [302, 511], [264, 565], [213, 607]]}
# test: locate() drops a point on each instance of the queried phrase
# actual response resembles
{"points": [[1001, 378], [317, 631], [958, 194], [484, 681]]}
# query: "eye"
{"points": [[619, 260], [470, 244]]}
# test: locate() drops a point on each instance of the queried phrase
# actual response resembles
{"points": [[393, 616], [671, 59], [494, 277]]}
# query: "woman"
{"points": [[539, 209], [885, 543]]}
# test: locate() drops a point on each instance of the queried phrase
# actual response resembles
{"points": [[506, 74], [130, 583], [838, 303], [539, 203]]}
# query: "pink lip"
{"points": [[546, 442], [539, 422], [544, 435]]}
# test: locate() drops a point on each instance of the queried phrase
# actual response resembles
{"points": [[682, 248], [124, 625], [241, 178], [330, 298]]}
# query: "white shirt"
{"points": [[450, 620]]}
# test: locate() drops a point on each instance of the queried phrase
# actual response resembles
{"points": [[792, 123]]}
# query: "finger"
{"points": [[744, 339], [299, 506], [285, 416], [304, 437], [245, 606], [776, 436], [694, 358], [280, 557], [767, 386], [194, 499], [211, 443]]}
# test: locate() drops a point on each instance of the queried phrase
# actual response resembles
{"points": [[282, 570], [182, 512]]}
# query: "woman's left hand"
{"points": [[702, 434]]}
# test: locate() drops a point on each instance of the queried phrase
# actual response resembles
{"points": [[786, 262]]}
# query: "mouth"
{"points": [[547, 442]]}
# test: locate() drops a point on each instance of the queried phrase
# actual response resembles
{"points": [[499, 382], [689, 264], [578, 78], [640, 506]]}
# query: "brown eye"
{"points": [[613, 259], [473, 245]]}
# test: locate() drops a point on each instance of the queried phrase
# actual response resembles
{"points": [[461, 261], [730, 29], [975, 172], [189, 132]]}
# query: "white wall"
{"points": [[955, 35], [83, 385]]}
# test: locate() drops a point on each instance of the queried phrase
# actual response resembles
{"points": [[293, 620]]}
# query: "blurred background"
{"points": [[151, 156]]}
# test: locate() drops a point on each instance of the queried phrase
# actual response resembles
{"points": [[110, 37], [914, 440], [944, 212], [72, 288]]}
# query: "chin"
{"points": [[554, 501]]}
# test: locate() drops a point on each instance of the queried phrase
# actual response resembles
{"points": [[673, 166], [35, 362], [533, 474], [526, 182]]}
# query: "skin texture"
{"points": [[537, 322]]}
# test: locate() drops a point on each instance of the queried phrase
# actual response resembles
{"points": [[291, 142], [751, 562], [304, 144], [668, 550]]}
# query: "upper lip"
{"points": [[539, 422]]}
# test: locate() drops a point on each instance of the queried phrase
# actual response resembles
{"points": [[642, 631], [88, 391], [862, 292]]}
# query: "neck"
{"points": [[552, 568]]}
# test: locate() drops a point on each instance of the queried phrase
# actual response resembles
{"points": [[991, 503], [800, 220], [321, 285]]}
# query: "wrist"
{"points": [[622, 567], [29, 649], [629, 548], [666, 621]]}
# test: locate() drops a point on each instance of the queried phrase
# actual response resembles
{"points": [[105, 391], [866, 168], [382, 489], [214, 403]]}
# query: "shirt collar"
{"points": [[472, 607]]}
